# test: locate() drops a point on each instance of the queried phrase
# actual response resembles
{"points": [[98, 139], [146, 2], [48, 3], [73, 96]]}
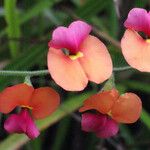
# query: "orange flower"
{"points": [[112, 109], [136, 49], [87, 58], [41, 102], [124, 108]]}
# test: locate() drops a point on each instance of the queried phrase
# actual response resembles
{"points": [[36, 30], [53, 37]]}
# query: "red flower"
{"points": [[135, 49], [87, 58], [40, 102], [112, 109]]}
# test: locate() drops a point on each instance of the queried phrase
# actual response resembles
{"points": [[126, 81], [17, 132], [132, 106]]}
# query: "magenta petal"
{"points": [[21, 123], [71, 37], [92, 122], [110, 128], [12, 124], [139, 20]]}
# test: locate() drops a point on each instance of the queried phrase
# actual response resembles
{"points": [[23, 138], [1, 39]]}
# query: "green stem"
{"points": [[23, 73], [122, 68], [43, 72]]}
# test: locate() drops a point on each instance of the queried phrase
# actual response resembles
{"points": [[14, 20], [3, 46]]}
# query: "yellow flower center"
{"points": [[109, 113], [76, 56], [25, 106], [148, 40]]}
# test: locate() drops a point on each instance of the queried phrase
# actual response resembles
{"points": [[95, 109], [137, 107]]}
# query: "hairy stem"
{"points": [[44, 72]]}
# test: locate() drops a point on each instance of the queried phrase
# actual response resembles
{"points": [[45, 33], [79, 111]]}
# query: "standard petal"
{"points": [[110, 129], [44, 101], [96, 61], [92, 122], [70, 37], [13, 96], [21, 123], [139, 20], [101, 102], [66, 73], [136, 51], [127, 109]]}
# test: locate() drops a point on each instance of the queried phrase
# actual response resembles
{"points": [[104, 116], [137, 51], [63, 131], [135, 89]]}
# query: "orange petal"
{"points": [[136, 51], [13, 96], [44, 101], [96, 61], [66, 72], [101, 102], [127, 109]]}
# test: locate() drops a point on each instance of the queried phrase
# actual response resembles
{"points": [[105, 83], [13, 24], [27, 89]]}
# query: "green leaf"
{"points": [[145, 118], [32, 12], [112, 19], [61, 134], [139, 3], [91, 8], [36, 9], [13, 28], [136, 85]]}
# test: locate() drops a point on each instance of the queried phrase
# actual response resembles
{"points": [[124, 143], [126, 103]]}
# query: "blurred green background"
{"points": [[25, 29]]}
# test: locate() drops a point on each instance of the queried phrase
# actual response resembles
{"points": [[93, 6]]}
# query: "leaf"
{"points": [[145, 118], [13, 28], [137, 85], [32, 12], [139, 3], [91, 8], [112, 19], [61, 134]]}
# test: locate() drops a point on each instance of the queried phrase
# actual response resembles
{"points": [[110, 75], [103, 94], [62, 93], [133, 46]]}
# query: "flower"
{"points": [[135, 48], [34, 103], [75, 57], [111, 109]]}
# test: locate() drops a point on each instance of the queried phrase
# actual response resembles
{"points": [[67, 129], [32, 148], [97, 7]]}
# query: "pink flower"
{"points": [[34, 104], [22, 123], [102, 125], [136, 49], [138, 20], [87, 58]]}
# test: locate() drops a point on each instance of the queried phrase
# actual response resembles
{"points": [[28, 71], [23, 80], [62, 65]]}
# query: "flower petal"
{"points": [[127, 109], [21, 123], [15, 96], [70, 37], [110, 129], [66, 73], [139, 20], [92, 122], [101, 102], [12, 124], [44, 101], [136, 51], [96, 61]]}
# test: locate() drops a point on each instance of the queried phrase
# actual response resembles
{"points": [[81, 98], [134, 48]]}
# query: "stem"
{"points": [[122, 68], [23, 73], [43, 72]]}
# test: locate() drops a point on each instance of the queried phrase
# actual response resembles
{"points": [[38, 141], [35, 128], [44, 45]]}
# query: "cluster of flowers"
{"points": [[74, 58]]}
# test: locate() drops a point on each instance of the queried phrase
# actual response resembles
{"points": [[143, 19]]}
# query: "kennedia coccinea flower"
{"points": [[87, 57], [111, 109], [34, 103], [136, 49]]}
